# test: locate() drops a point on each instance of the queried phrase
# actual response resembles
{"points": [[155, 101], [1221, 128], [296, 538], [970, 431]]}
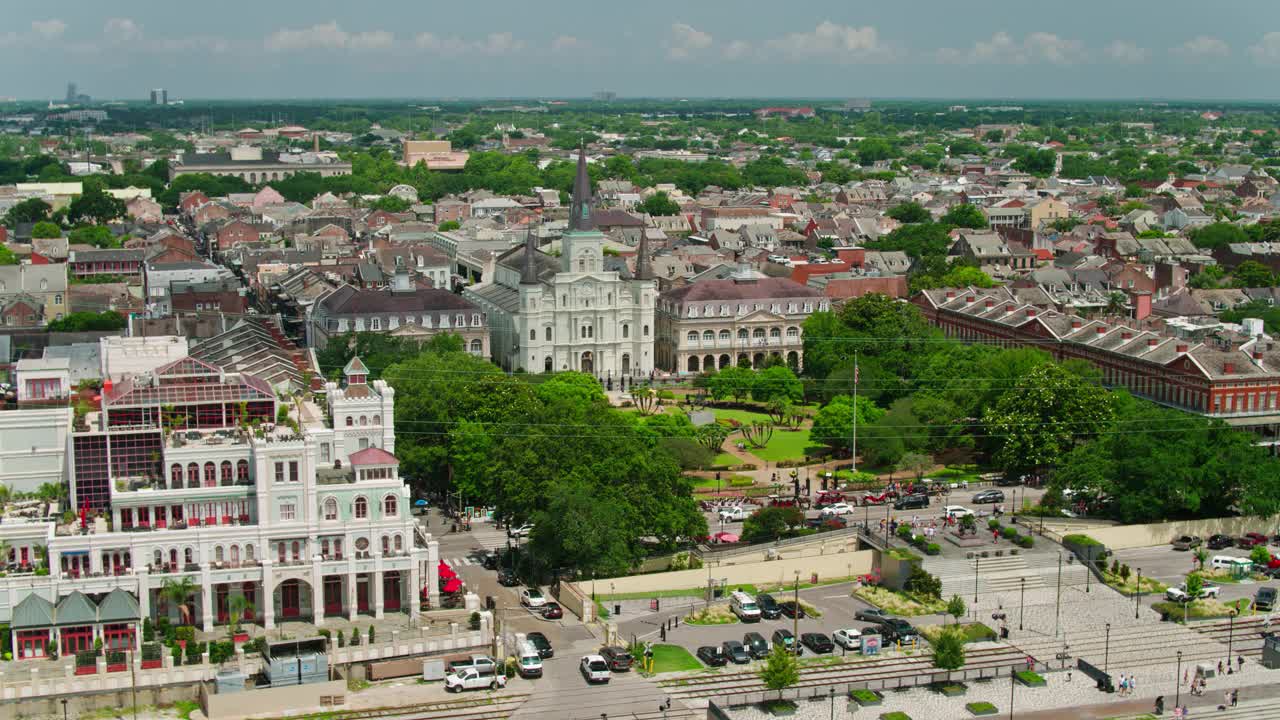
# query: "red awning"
{"points": [[452, 586], [445, 571]]}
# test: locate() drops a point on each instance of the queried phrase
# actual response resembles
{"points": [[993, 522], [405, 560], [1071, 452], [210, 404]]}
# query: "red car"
{"points": [[829, 497], [1251, 540], [552, 611]]}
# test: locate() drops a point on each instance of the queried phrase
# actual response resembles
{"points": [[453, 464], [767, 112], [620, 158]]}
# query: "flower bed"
{"points": [[778, 708], [970, 632], [719, 615], [1030, 679], [981, 708], [898, 603], [895, 715], [865, 697], [950, 689]]}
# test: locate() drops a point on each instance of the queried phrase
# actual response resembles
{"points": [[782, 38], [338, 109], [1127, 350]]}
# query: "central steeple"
{"points": [[580, 219]]}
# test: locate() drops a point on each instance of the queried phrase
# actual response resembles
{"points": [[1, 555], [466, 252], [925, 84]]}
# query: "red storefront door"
{"points": [[362, 594], [333, 595], [289, 599]]}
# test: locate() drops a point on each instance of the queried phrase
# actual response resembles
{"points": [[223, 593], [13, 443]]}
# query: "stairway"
{"points": [[1003, 574]]}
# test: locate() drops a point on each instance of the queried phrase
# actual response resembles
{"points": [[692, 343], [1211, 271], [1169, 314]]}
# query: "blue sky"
{"points": [[706, 48]]}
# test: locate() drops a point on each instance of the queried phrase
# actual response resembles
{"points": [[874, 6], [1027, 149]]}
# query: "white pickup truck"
{"points": [[736, 513], [472, 679], [1179, 594]]}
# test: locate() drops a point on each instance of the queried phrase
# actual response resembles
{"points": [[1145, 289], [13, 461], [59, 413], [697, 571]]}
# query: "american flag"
{"points": [[855, 373]]}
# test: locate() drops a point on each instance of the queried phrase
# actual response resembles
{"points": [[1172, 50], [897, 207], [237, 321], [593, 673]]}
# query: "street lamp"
{"points": [[1022, 600], [64, 709], [1231, 626], [832, 691], [977, 559], [1057, 612], [1106, 654], [1013, 675], [1137, 595], [1177, 683]]}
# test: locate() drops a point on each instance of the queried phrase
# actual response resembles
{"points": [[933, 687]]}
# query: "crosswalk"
{"points": [[484, 540]]}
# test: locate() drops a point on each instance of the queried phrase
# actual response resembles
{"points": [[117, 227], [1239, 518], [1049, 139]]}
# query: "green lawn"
{"points": [[742, 416], [784, 445], [724, 458], [699, 592], [673, 658]]}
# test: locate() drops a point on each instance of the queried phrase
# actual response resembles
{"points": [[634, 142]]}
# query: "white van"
{"points": [[1227, 562], [744, 606], [529, 662]]}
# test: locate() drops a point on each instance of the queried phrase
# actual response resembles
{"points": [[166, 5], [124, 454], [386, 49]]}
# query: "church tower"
{"points": [[582, 248]]}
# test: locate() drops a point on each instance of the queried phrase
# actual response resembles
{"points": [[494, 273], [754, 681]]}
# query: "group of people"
{"points": [[1128, 683]]}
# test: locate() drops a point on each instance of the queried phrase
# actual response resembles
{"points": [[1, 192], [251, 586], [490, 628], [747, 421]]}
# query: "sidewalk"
{"points": [[1198, 705]]}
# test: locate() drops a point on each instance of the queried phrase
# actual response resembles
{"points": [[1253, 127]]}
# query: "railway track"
{"points": [[486, 707], [859, 672]]}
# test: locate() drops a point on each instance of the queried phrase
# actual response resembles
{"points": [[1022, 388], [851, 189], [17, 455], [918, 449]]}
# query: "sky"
{"points": [[229, 49]]}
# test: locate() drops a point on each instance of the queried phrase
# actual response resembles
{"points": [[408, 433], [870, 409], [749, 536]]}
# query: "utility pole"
{"points": [[1057, 612], [853, 449]]}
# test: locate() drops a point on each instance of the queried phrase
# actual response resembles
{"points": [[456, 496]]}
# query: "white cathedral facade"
{"points": [[550, 314]]}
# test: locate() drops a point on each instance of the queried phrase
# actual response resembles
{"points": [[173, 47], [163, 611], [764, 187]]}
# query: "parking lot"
{"points": [[1169, 566]]}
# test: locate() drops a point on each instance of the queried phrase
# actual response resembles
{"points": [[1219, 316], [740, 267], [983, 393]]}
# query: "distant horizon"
{"points": [[621, 98]]}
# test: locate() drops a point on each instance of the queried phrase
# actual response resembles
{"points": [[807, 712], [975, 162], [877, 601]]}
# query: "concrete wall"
{"points": [[836, 564], [82, 705], [1122, 537], [295, 699]]}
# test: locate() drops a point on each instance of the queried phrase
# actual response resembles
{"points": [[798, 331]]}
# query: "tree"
{"points": [[448, 225], [178, 592], [916, 463], [833, 424], [956, 607], [580, 529], [1195, 585], [922, 584], [1045, 417], [7, 257], [948, 650], [771, 523], [569, 386], [390, 203], [99, 236], [732, 382], [1037, 162], [31, 210], [645, 399], [88, 321], [238, 606], [712, 436], [777, 383], [1218, 236], [1202, 556], [1252, 274], [659, 204], [965, 215], [780, 670], [757, 434], [910, 212], [46, 229], [95, 205], [1260, 555]]}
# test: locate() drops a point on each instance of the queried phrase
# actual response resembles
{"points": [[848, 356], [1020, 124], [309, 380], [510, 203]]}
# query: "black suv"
{"points": [[792, 609], [817, 642], [896, 630], [541, 644], [787, 640], [619, 659], [769, 609], [756, 645], [1265, 599], [911, 502], [1220, 541]]}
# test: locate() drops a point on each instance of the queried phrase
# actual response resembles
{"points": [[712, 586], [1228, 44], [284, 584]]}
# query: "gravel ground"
{"points": [[923, 704]]}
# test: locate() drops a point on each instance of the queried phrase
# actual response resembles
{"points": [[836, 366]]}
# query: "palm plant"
{"points": [[1117, 304], [238, 606], [178, 592]]}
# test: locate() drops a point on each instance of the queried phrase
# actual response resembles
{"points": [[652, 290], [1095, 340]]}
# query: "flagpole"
{"points": [[853, 449]]}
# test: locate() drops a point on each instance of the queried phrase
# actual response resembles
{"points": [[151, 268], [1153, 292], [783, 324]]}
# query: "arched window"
{"points": [[248, 553], [362, 508], [324, 548], [793, 332], [626, 331], [330, 509], [377, 419], [477, 346], [175, 477], [724, 336], [547, 333], [742, 333], [399, 543], [187, 556], [235, 554], [708, 336], [350, 422], [226, 472], [364, 420], [775, 333], [242, 471], [389, 506], [646, 331], [533, 334], [193, 475], [693, 336], [386, 545], [158, 557], [281, 547], [210, 475], [295, 548], [758, 333], [217, 553]]}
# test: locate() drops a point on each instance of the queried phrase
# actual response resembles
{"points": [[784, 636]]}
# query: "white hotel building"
{"points": [[185, 472]]}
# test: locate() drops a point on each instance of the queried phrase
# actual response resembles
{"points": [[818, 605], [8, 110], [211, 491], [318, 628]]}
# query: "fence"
{"points": [[836, 564], [711, 555]]}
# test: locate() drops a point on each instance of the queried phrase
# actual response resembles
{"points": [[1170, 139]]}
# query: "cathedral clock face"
{"points": [[588, 289]]}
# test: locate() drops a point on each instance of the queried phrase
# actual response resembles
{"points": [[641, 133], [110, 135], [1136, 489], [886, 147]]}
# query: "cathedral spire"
{"points": [[643, 270], [580, 213], [529, 268]]}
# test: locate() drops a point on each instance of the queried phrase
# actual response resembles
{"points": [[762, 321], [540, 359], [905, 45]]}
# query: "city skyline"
{"points": [[822, 50]]}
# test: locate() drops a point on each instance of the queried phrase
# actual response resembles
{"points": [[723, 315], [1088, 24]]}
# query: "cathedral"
{"points": [[550, 314]]}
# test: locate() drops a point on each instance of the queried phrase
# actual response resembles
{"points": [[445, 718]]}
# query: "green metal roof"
{"points": [[118, 606], [33, 612], [76, 609]]}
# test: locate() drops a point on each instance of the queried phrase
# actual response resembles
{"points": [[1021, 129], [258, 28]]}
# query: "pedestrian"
{"points": [[1235, 697], [1239, 662], [1219, 667], [995, 536], [662, 633], [1226, 697], [1133, 683], [1124, 684], [1186, 674]]}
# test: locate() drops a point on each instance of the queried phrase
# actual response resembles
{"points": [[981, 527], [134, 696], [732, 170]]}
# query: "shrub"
{"points": [[1124, 572], [473, 622], [148, 631], [1081, 540], [993, 524], [97, 646], [922, 583], [115, 657], [1115, 567], [355, 637], [1025, 541], [324, 633], [370, 634], [220, 652], [176, 653], [933, 549], [342, 639], [1009, 533], [904, 532], [185, 632]]}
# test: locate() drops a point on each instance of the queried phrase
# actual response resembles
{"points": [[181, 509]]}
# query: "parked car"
{"points": [[840, 508], [552, 611], [712, 656], [768, 606], [955, 511], [848, 638], [736, 513], [542, 644], [988, 497], [826, 521], [521, 530], [1251, 540], [473, 679], [787, 640], [1219, 541], [1265, 598], [911, 502], [1179, 594], [483, 663], [490, 561], [829, 497], [736, 652], [896, 630], [506, 578], [872, 615], [756, 645], [1186, 542], [791, 609], [618, 658], [532, 598], [594, 669], [817, 642]]}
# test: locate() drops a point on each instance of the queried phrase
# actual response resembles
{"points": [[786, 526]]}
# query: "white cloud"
{"points": [[841, 43], [567, 43], [1203, 46], [49, 29], [686, 41], [328, 36], [1123, 51], [1267, 51], [122, 30], [1003, 48], [737, 50], [201, 43], [501, 43]]}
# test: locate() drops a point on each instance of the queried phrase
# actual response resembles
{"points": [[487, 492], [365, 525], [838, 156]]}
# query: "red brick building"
{"points": [[1237, 379], [236, 232], [124, 263]]}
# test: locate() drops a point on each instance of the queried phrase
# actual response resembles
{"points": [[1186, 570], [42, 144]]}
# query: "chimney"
{"points": [[1141, 305], [1102, 329], [1075, 324], [1228, 368], [968, 299], [990, 303], [951, 294], [1257, 354], [1126, 335], [1008, 308], [1152, 342], [1180, 348], [315, 142], [1031, 312]]}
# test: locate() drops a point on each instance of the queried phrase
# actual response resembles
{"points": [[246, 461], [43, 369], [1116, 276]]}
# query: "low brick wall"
{"points": [[1123, 537], [832, 565]]}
